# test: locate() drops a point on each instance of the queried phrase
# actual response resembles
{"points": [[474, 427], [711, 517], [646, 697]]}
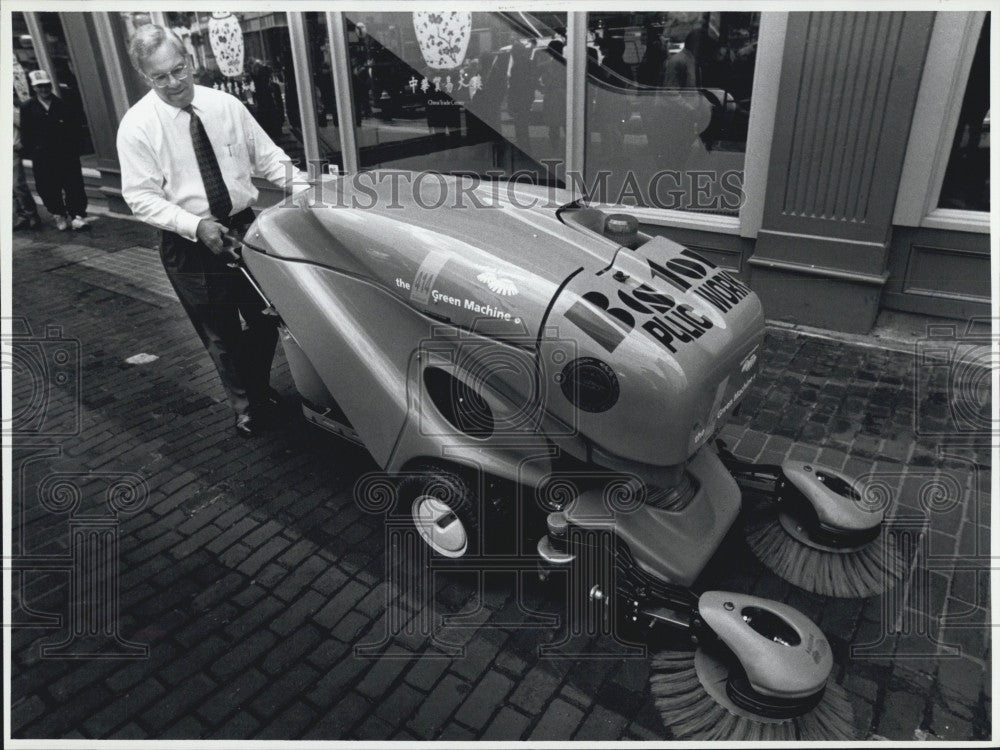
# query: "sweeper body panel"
{"points": [[528, 337], [691, 525], [623, 357], [677, 366]]}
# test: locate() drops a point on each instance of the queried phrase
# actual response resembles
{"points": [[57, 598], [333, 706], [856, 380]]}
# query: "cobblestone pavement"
{"points": [[252, 592]]}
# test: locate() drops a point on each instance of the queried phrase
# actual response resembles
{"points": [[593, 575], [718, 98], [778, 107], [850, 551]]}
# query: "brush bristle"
{"points": [[690, 713], [859, 574]]}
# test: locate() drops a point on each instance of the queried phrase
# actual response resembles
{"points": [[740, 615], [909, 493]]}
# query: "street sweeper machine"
{"points": [[476, 338]]}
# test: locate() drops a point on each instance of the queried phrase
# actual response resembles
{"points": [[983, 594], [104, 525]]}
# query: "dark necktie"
{"points": [[219, 202]]}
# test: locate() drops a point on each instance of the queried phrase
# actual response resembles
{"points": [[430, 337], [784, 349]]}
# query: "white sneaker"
{"points": [[61, 224], [79, 223]]}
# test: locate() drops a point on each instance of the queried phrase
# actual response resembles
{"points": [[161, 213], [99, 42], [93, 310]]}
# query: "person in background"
{"points": [[683, 69], [614, 61], [521, 91], [362, 55], [270, 114], [323, 80], [488, 101], [552, 81], [25, 212], [650, 69], [187, 155], [50, 137]]}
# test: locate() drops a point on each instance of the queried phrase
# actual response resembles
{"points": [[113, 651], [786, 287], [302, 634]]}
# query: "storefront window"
{"points": [[967, 179], [481, 93], [668, 103]]}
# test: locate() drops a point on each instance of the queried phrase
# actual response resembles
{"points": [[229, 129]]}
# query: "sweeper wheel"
{"points": [[693, 692], [859, 571], [444, 510]]}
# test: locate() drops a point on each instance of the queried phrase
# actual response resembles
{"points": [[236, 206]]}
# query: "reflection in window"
{"points": [[668, 103], [481, 93], [967, 179]]}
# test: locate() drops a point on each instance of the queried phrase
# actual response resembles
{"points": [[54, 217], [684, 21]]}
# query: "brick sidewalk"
{"points": [[251, 577]]}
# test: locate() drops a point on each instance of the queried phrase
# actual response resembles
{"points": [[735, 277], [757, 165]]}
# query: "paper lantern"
{"points": [[443, 37], [226, 37]]}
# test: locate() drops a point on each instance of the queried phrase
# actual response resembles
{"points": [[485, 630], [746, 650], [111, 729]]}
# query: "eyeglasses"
{"points": [[180, 73]]}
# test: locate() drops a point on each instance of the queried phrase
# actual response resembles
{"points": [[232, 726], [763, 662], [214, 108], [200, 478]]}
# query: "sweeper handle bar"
{"points": [[233, 247]]}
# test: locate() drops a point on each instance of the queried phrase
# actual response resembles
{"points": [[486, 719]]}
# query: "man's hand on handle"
{"points": [[211, 233]]}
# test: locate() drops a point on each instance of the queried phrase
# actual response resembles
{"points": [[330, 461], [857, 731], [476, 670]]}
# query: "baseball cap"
{"points": [[39, 77]]}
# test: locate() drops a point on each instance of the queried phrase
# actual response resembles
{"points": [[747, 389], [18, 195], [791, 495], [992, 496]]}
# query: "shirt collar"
{"points": [[170, 110]]}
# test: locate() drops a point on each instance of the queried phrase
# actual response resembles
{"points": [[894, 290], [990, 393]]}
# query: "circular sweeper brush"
{"points": [[820, 533], [761, 671], [704, 695], [783, 544]]}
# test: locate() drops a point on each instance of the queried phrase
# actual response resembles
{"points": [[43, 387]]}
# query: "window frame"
{"points": [[767, 73], [935, 118], [763, 112]]}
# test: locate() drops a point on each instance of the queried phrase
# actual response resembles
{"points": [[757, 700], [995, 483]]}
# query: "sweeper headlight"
{"points": [[590, 384]]}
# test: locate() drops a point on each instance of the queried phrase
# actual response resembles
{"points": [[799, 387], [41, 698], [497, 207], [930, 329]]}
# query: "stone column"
{"points": [[106, 88], [848, 87]]}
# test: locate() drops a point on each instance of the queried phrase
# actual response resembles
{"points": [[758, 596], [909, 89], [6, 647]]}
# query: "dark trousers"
{"points": [[24, 204], [59, 183], [215, 297]]}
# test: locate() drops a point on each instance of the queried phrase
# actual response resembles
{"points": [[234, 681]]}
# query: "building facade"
{"points": [[838, 162]]}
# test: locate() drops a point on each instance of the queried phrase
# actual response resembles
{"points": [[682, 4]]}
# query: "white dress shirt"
{"points": [[161, 181]]}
